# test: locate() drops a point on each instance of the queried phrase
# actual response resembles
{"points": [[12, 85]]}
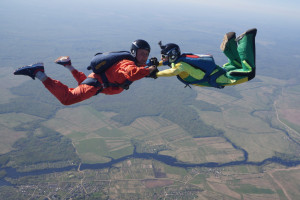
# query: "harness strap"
{"points": [[211, 79], [106, 83], [204, 63], [93, 82]]}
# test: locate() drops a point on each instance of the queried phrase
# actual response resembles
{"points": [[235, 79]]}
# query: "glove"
{"points": [[153, 73], [152, 61]]}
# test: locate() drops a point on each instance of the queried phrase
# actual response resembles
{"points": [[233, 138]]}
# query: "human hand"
{"points": [[152, 61], [153, 70]]}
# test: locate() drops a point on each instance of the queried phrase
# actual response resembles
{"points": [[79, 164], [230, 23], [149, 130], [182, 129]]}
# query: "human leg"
{"points": [[66, 62], [246, 47], [246, 50], [229, 48], [68, 96], [65, 95]]}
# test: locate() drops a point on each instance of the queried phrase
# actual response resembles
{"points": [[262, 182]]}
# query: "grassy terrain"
{"points": [[158, 116], [289, 179], [13, 127], [104, 139], [245, 115]]}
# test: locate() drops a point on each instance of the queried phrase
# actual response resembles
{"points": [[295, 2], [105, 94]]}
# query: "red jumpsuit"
{"points": [[118, 73]]}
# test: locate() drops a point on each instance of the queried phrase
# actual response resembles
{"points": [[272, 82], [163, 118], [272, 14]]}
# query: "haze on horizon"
{"points": [[36, 30]]}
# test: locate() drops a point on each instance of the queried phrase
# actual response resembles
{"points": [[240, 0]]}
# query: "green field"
{"points": [[96, 133]]}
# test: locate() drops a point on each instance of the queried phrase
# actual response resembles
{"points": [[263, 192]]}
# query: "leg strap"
{"points": [[93, 82]]}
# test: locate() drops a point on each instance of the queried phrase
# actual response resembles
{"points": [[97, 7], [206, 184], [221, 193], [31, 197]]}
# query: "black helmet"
{"points": [[139, 44], [171, 50]]}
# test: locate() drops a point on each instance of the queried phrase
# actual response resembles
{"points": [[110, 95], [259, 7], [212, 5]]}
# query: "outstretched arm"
{"points": [[175, 70]]}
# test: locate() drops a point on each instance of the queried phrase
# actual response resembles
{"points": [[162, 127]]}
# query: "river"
{"points": [[13, 173]]}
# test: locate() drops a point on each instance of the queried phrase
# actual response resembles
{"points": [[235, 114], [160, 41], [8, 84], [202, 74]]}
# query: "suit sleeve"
{"points": [[133, 72], [175, 70]]}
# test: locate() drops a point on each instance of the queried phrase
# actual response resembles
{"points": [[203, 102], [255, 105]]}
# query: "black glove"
{"points": [[153, 73], [152, 61]]}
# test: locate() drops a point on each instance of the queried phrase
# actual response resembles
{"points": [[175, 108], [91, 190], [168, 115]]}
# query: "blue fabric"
{"points": [[206, 64], [103, 61]]}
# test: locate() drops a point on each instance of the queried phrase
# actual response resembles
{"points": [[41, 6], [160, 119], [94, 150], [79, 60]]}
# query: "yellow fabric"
{"points": [[169, 72], [243, 80], [224, 80], [184, 70]]}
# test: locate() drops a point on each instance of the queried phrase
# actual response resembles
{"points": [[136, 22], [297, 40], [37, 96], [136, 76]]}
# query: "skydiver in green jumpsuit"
{"points": [[240, 68]]}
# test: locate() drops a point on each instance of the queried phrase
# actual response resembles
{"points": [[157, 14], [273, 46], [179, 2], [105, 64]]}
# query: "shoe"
{"points": [[229, 48], [63, 60], [30, 70]]}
